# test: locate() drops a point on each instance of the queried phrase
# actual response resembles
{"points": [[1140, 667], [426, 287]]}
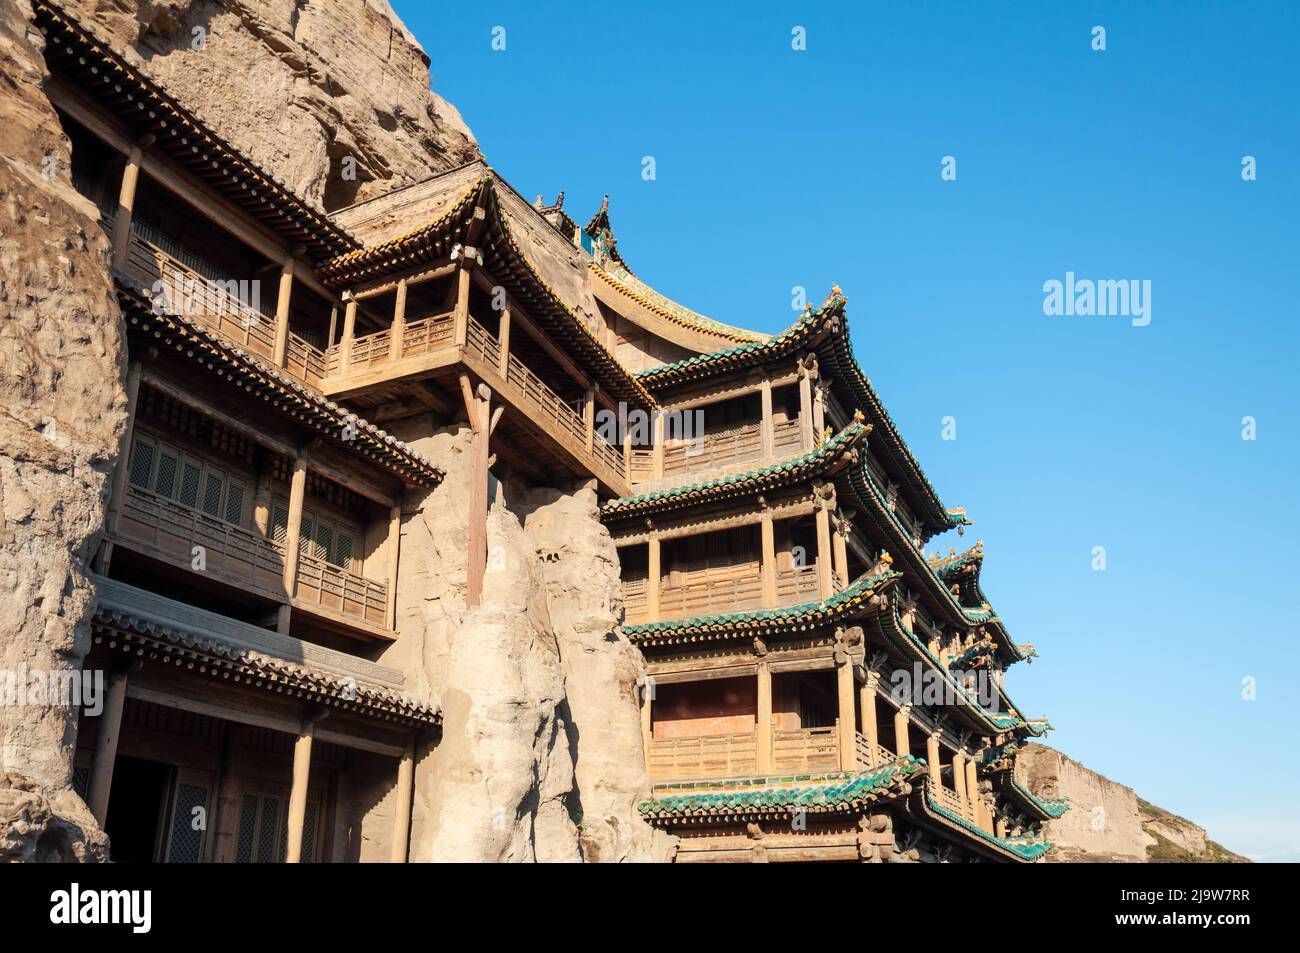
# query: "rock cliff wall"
{"points": [[62, 416], [1108, 822], [330, 97]]}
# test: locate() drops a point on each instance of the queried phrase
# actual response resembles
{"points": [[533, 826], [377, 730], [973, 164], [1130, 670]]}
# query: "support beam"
{"points": [[768, 428], [764, 719], [126, 205], [298, 791], [349, 334], [399, 322], [478, 408], [400, 850], [589, 418], [959, 779], [825, 580], [932, 758], [847, 722], [503, 339], [110, 730], [659, 445], [973, 792], [647, 718], [653, 579], [297, 493], [282, 311], [461, 324], [840, 550], [123, 468], [768, 534], [902, 746], [394, 545], [805, 406]]}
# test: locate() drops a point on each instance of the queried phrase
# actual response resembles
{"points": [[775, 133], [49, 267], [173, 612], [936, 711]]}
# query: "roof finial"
{"points": [[604, 204], [537, 202]]}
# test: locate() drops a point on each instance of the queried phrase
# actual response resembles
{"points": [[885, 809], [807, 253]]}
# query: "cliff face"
{"points": [[62, 416], [331, 98], [1108, 822]]}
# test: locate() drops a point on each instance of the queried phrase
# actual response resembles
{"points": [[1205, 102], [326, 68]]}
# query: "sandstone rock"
{"points": [[46, 828], [62, 415], [306, 90]]}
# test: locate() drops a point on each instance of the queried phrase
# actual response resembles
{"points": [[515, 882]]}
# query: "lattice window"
{"points": [[235, 502], [186, 845], [212, 495], [310, 826], [268, 832], [141, 463], [247, 829], [189, 484], [165, 483]]}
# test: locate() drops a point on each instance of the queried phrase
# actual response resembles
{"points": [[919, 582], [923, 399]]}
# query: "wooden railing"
{"points": [[705, 595], [709, 756], [807, 750], [787, 438], [634, 600], [642, 465], [864, 748], [797, 585], [339, 591], [949, 799], [167, 530], [205, 301], [714, 451]]}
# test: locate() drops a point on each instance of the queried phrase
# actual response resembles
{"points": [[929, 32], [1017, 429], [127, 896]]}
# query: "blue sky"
{"points": [[777, 168]]}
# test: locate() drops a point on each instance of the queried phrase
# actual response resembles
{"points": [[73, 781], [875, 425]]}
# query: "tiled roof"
{"points": [[1046, 808], [1024, 848], [856, 600], [759, 480], [819, 794], [623, 281]]}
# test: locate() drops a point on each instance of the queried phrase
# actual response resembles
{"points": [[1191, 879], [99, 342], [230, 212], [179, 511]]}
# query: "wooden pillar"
{"points": [[399, 322], [867, 715], [399, 851], [110, 730], [763, 734], [973, 792], [848, 735], [840, 549], [768, 432], [123, 469], [589, 418], [297, 492], [334, 325], [220, 847], [282, 303], [959, 779], [349, 332], [1000, 828], [932, 759], [478, 407], [627, 455], [902, 747], [503, 339], [394, 545], [462, 304], [805, 406], [647, 720], [126, 205], [653, 579], [819, 408], [659, 445], [298, 791], [768, 535], [825, 581]]}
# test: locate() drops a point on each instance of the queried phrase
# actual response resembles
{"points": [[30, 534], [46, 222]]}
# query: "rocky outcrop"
{"points": [[62, 416], [331, 98], [1108, 822]]}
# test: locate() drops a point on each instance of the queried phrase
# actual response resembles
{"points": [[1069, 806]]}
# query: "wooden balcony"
{"points": [[709, 756], [209, 303], [800, 751], [166, 531], [949, 800], [797, 585], [715, 454], [715, 592]]}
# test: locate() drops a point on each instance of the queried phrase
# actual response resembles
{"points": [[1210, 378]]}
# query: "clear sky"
{"points": [[778, 168]]}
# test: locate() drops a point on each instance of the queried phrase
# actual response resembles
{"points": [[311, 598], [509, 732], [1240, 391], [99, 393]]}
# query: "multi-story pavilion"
{"points": [[771, 523]]}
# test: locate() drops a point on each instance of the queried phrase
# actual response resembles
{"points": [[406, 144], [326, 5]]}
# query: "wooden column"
{"points": [[478, 406], [647, 720], [399, 851], [126, 204], [394, 545], [298, 791], [297, 493], [768, 534], [768, 432], [282, 303], [653, 579], [659, 445], [1000, 828], [819, 408], [349, 332], [825, 582], [805, 406], [589, 418], [973, 792], [110, 730], [627, 455], [959, 779], [840, 549], [847, 722], [462, 304], [902, 747], [122, 470], [867, 714], [932, 759], [503, 363], [763, 732], [399, 322]]}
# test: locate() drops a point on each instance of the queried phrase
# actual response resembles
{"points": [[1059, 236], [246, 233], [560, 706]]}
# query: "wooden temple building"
{"points": [[773, 550]]}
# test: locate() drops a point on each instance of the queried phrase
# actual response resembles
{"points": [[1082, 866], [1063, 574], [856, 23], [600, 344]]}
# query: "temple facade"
{"points": [[816, 684]]}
